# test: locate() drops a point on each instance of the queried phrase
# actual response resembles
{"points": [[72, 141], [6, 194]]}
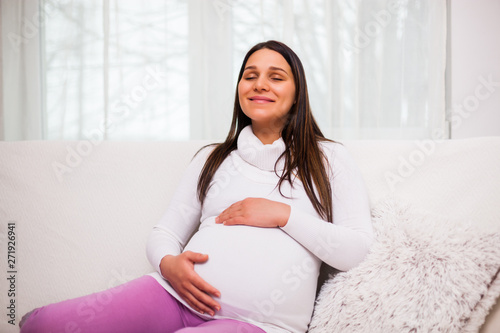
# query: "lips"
{"points": [[261, 99]]}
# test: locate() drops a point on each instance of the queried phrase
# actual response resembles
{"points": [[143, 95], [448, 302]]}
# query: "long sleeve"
{"points": [[182, 217], [345, 242]]}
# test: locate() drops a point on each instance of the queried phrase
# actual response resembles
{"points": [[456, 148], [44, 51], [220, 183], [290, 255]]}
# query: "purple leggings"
{"points": [[141, 305]]}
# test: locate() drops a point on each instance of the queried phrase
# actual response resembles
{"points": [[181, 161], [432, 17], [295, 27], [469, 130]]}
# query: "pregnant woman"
{"points": [[240, 246]]}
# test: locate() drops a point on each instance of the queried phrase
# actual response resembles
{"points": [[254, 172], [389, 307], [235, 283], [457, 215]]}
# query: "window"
{"points": [[167, 69]]}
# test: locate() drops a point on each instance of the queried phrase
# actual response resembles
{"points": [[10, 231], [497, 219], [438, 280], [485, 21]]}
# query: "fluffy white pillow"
{"points": [[421, 275]]}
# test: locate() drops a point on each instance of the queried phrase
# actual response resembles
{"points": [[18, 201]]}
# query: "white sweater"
{"points": [[266, 276]]}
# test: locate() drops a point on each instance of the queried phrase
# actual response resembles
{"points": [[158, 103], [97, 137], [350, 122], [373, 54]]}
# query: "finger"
{"points": [[228, 215], [193, 305], [202, 291], [236, 204], [200, 301], [200, 297], [205, 287], [196, 257], [237, 220], [223, 216], [205, 301], [198, 305]]}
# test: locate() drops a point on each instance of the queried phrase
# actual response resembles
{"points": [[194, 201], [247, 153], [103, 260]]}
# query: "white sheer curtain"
{"points": [[167, 69], [21, 113]]}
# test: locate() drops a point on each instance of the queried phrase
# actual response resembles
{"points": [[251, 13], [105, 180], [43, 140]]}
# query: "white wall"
{"points": [[475, 60]]}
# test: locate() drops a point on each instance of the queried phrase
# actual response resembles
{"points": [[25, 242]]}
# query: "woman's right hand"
{"points": [[179, 271]]}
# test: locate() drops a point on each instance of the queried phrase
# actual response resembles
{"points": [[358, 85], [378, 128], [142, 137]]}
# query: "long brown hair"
{"points": [[301, 136]]}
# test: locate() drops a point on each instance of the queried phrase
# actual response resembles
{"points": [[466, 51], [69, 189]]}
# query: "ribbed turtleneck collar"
{"points": [[262, 156]]}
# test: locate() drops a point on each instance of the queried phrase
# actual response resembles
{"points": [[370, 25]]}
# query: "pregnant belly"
{"points": [[261, 273]]}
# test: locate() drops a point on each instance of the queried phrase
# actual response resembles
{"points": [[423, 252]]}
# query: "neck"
{"points": [[266, 134]]}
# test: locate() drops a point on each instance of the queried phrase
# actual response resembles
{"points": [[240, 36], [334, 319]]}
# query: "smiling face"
{"points": [[266, 90]]}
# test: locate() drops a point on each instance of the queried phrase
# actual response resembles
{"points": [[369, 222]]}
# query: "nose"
{"points": [[261, 84]]}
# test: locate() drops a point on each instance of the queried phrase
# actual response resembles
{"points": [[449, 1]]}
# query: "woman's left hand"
{"points": [[257, 212]]}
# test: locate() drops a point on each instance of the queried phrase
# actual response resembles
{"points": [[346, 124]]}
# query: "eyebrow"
{"points": [[270, 67]]}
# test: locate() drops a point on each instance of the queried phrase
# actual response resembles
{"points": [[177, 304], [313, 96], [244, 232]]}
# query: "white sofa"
{"points": [[80, 212]]}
